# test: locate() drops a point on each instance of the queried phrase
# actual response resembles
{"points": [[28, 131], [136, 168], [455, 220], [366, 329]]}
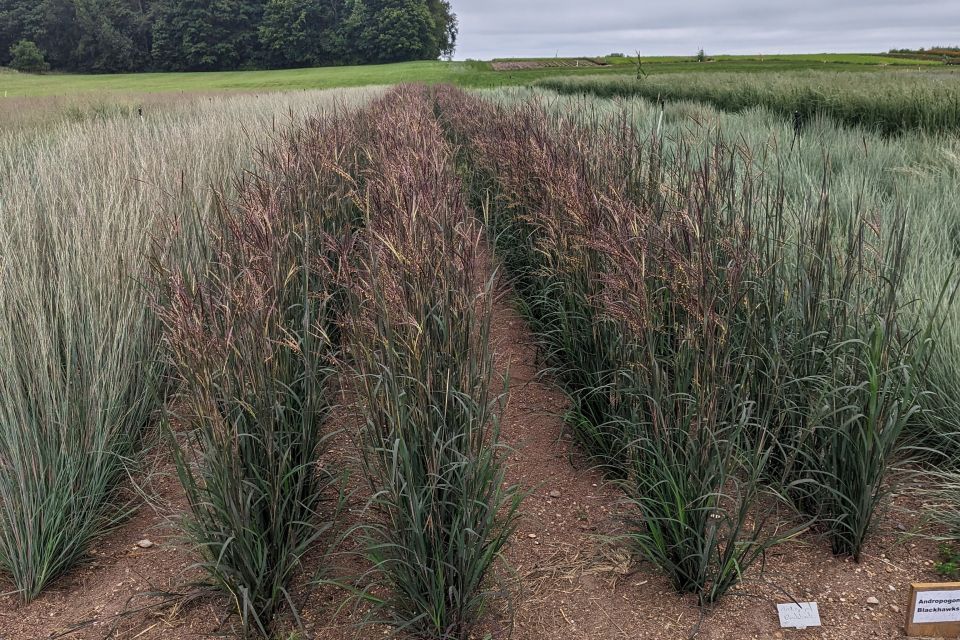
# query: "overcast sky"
{"points": [[506, 28]]}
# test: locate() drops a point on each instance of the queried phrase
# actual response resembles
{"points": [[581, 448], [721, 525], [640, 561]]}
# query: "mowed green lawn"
{"points": [[468, 74]]}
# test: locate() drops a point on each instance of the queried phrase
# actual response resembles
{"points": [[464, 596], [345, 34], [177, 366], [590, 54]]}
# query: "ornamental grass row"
{"points": [[250, 329], [84, 209], [742, 366], [417, 323]]}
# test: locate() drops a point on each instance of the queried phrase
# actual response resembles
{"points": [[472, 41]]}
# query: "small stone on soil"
{"points": [[872, 600], [554, 494], [145, 544]]}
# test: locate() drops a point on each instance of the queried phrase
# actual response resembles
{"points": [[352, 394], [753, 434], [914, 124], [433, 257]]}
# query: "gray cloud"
{"points": [[500, 28]]}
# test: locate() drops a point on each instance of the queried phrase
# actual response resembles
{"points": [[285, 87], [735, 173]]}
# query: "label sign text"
{"points": [[799, 615]]}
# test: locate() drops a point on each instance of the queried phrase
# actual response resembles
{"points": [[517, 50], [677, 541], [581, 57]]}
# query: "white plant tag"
{"points": [[798, 615], [936, 606]]}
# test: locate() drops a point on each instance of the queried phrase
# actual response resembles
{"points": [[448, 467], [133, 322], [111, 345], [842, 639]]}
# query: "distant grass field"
{"points": [[893, 102], [797, 58], [467, 74]]}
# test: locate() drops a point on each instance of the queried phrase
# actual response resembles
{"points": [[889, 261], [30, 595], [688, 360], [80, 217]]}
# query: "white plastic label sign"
{"points": [[936, 606], [798, 615]]}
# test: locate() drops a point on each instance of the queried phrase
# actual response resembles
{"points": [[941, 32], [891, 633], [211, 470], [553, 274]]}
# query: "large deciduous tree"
{"points": [[113, 35], [51, 24], [201, 35], [206, 35], [392, 31], [445, 27], [26, 56], [303, 33]]}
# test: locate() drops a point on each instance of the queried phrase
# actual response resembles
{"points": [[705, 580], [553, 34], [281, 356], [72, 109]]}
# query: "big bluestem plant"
{"points": [[250, 334], [855, 362], [77, 393], [418, 322], [678, 266], [541, 186]]}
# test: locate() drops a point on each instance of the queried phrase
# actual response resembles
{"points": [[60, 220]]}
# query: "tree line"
{"points": [[107, 36]]}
